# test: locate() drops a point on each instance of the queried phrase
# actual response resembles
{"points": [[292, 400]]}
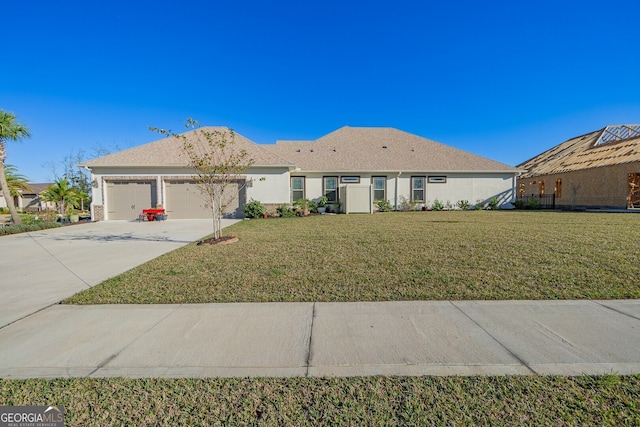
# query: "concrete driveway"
{"points": [[42, 268]]}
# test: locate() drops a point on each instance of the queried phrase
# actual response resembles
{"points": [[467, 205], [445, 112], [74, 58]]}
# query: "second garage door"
{"points": [[185, 200]]}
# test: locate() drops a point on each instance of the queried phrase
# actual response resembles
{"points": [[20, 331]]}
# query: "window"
{"points": [[350, 180], [379, 187], [330, 184], [558, 189], [417, 188], [437, 180], [521, 190], [297, 188], [541, 188]]}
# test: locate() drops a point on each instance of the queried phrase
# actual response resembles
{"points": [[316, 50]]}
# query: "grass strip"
{"points": [[515, 400]]}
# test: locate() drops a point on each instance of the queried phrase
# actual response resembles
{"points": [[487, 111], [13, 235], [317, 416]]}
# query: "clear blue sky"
{"points": [[502, 79]]}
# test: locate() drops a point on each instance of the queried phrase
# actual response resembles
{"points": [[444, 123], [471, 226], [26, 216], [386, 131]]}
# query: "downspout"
{"points": [[396, 195]]}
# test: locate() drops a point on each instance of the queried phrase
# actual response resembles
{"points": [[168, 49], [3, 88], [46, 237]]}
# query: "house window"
{"points": [[330, 188], [541, 188], [297, 188], [417, 188], [350, 179], [521, 189], [437, 180], [379, 187], [558, 189]]}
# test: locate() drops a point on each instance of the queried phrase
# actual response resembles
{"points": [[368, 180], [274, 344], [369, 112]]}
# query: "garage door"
{"points": [[185, 200], [126, 199]]}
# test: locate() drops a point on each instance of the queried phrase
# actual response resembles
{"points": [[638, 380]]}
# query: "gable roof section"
{"points": [[612, 145], [370, 149], [168, 152], [37, 188]]}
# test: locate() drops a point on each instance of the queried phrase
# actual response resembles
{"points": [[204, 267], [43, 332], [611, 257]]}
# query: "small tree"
{"points": [[10, 130], [16, 182], [218, 162], [63, 194]]}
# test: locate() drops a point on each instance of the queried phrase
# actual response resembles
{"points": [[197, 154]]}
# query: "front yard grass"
{"points": [[396, 256], [520, 400]]}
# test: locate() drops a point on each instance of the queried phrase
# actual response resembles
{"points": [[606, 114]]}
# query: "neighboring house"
{"points": [[30, 199], [353, 166], [598, 170]]}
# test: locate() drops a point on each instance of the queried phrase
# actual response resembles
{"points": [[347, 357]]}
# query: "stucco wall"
{"points": [[459, 186]]}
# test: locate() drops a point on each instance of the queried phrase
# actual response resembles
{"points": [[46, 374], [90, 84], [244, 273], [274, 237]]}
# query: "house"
{"points": [[30, 199], [352, 166], [600, 169]]}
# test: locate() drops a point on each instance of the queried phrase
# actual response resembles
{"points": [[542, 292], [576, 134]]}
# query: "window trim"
{"points": [[437, 179], [424, 188], [304, 187], [349, 180], [373, 184], [324, 188]]}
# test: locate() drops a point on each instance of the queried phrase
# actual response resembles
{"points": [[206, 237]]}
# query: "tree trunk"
{"points": [[7, 193]]}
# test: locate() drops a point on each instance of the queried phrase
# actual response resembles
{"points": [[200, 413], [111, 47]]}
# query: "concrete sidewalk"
{"points": [[325, 339]]}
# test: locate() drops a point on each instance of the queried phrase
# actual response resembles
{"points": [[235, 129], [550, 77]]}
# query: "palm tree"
{"points": [[63, 194], [10, 130], [17, 183]]}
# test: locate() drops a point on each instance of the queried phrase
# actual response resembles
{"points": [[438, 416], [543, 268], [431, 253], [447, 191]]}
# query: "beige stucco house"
{"points": [[386, 163], [600, 169], [30, 199]]}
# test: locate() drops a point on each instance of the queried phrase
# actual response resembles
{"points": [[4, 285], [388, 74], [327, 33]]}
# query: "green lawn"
{"points": [[528, 400], [396, 256]]}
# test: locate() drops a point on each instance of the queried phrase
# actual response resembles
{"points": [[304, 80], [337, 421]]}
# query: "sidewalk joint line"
{"points": [[113, 356], [495, 339], [615, 310], [59, 261], [308, 361]]}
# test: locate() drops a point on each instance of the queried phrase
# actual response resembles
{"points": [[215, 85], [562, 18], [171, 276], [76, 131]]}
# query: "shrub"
{"points": [[493, 203], [285, 211], [23, 228], [463, 204], [533, 202], [479, 205], [437, 205], [4, 210], [384, 205], [407, 205], [254, 209]]}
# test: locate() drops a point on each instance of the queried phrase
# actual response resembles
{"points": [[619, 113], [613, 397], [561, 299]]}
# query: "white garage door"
{"points": [[185, 200], [127, 199]]}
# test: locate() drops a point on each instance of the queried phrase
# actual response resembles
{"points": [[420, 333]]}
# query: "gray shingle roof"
{"points": [[168, 152], [381, 149], [348, 149]]}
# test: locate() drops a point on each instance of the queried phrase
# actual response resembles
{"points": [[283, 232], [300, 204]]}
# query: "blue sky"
{"points": [[502, 79]]}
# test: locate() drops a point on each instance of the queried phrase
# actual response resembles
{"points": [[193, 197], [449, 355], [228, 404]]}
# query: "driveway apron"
{"points": [[44, 267]]}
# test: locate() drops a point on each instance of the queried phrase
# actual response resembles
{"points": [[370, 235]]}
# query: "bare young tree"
{"points": [[218, 163]]}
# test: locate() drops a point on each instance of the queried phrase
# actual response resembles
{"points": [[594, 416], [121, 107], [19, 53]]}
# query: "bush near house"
{"points": [[23, 228], [254, 209]]}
